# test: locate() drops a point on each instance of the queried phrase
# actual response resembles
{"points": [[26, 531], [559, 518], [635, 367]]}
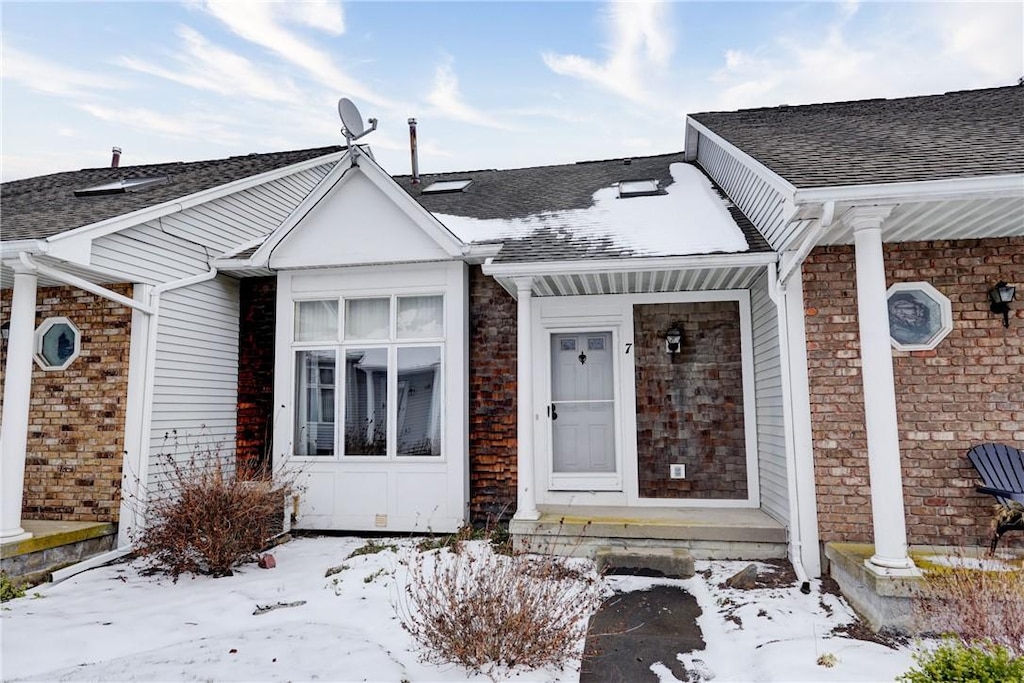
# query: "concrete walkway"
{"points": [[632, 631]]}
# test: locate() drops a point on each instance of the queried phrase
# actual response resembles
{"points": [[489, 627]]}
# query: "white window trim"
{"points": [[41, 331]]}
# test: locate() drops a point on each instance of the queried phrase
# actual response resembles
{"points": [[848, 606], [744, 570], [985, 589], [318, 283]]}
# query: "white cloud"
{"points": [[51, 78], [263, 23], [641, 47], [990, 42], [206, 66], [183, 126], [448, 102]]}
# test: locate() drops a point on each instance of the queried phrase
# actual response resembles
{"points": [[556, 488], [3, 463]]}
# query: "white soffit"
{"points": [[943, 220]]}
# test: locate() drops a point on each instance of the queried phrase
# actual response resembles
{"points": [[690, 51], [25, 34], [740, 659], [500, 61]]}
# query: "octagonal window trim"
{"points": [[57, 353], [920, 316]]}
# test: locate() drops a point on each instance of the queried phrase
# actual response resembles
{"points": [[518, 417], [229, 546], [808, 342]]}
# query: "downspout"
{"points": [[777, 292]]}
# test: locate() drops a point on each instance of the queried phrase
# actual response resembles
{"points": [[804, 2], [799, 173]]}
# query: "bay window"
{"points": [[386, 398]]}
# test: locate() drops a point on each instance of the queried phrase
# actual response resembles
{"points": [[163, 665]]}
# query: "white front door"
{"points": [[582, 412]]}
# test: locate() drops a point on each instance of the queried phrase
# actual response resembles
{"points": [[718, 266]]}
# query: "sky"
{"points": [[491, 84]]}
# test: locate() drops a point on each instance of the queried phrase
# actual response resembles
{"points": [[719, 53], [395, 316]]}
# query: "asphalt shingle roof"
{"points": [[523, 192], [36, 208], [956, 135]]}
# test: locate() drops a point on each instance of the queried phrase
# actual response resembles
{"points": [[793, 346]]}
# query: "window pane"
{"points": [[420, 317], [314, 402], [419, 401], [366, 401], [316, 320], [367, 318], [58, 344]]}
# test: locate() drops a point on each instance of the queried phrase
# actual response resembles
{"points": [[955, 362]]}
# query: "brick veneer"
{"points": [[256, 334], [492, 398], [968, 390], [689, 405], [76, 416]]}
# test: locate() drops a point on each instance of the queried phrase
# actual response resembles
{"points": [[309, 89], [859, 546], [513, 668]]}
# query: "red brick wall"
{"points": [[968, 390], [256, 333], [492, 398], [690, 404], [76, 416]]}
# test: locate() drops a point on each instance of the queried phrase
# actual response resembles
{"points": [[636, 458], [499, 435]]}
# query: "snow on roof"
{"points": [[689, 218]]}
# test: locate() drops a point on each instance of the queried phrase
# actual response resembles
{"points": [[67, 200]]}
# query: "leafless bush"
{"points": [[975, 605], [204, 519], [486, 611]]}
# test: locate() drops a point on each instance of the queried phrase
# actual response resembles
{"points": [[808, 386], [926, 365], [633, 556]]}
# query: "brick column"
{"points": [[887, 513], [17, 392]]}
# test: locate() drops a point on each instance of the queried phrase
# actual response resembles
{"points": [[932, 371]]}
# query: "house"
{"points": [[774, 340]]}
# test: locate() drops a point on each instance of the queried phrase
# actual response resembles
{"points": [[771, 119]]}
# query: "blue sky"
{"points": [[492, 84]]}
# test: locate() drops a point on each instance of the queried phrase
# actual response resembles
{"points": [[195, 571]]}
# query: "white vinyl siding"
{"points": [[196, 366], [771, 436], [758, 200]]}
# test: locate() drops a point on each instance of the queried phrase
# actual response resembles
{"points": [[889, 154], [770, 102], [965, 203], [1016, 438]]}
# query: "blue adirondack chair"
{"points": [[1002, 471]]}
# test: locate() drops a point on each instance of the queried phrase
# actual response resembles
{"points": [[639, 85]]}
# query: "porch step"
{"points": [[672, 563], [706, 533], [54, 545]]}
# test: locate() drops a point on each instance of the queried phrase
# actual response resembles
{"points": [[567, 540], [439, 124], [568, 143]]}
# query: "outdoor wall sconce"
{"points": [[673, 339], [1001, 295]]}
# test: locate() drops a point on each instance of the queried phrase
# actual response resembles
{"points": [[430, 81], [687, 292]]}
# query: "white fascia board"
{"points": [[427, 222], [110, 225], [917, 191], [10, 250], [655, 263], [769, 176]]}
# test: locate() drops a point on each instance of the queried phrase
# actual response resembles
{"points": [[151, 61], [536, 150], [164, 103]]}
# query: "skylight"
{"points": [[121, 186], [440, 186], [638, 188]]}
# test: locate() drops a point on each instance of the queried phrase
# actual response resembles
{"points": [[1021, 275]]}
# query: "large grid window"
{"points": [[377, 391]]}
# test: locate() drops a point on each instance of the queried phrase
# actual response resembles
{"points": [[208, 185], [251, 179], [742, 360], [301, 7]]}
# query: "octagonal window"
{"points": [[58, 343], [920, 316]]}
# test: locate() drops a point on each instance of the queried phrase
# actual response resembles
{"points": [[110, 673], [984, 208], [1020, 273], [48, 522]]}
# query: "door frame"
{"points": [[614, 312]]}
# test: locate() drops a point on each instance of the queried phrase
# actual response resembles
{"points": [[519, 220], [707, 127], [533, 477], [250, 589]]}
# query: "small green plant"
{"points": [[9, 590], [369, 578], [372, 547], [955, 661]]}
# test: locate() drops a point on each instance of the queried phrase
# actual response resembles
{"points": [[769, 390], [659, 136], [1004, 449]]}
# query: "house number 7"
{"points": [[629, 345]]}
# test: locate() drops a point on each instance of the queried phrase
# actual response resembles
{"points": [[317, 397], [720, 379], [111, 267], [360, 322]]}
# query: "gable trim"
{"points": [[762, 171]]}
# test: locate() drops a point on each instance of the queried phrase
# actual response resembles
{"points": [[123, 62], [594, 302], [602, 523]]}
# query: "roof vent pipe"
{"points": [[115, 160], [413, 152]]}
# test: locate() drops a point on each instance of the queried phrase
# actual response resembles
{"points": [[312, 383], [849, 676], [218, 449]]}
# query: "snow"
{"points": [[690, 219], [116, 624]]}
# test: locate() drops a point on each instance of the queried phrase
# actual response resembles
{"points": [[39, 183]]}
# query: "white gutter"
{"points": [[85, 565], [790, 266], [17, 247], [651, 263], [917, 191], [84, 284]]}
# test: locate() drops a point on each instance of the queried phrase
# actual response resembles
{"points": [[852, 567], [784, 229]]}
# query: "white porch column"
{"points": [[889, 521], [526, 507], [17, 391]]}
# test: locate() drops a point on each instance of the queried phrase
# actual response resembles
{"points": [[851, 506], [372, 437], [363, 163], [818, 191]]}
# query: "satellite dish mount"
{"points": [[352, 125]]}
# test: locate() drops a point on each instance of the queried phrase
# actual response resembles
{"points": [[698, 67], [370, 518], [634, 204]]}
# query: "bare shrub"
{"points": [[975, 606], [204, 519], [484, 610]]}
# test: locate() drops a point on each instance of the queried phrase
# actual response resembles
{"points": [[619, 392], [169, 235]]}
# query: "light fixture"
{"points": [[5, 330], [673, 339], [1001, 295]]}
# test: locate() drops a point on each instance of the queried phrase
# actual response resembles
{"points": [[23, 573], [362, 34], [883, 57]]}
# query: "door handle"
{"points": [[552, 413]]}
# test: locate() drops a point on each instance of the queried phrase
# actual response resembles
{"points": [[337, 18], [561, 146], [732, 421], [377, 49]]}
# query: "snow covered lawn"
{"points": [[113, 624]]}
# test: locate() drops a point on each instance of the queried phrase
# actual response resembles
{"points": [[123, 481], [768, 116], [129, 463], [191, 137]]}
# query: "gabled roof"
{"points": [[541, 213], [40, 207], [963, 134]]}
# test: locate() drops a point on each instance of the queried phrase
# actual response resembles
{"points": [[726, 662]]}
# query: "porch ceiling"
{"points": [[640, 281], [944, 220]]}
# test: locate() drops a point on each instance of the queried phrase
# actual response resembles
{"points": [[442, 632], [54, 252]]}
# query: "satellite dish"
{"points": [[350, 118]]}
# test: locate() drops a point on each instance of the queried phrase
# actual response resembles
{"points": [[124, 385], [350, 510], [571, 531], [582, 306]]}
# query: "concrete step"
{"points": [[672, 563]]}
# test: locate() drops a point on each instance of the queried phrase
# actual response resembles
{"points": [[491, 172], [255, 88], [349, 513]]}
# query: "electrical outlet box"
{"points": [[677, 471]]}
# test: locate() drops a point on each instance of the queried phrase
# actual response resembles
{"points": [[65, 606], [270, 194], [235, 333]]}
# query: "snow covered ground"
{"points": [[114, 624]]}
